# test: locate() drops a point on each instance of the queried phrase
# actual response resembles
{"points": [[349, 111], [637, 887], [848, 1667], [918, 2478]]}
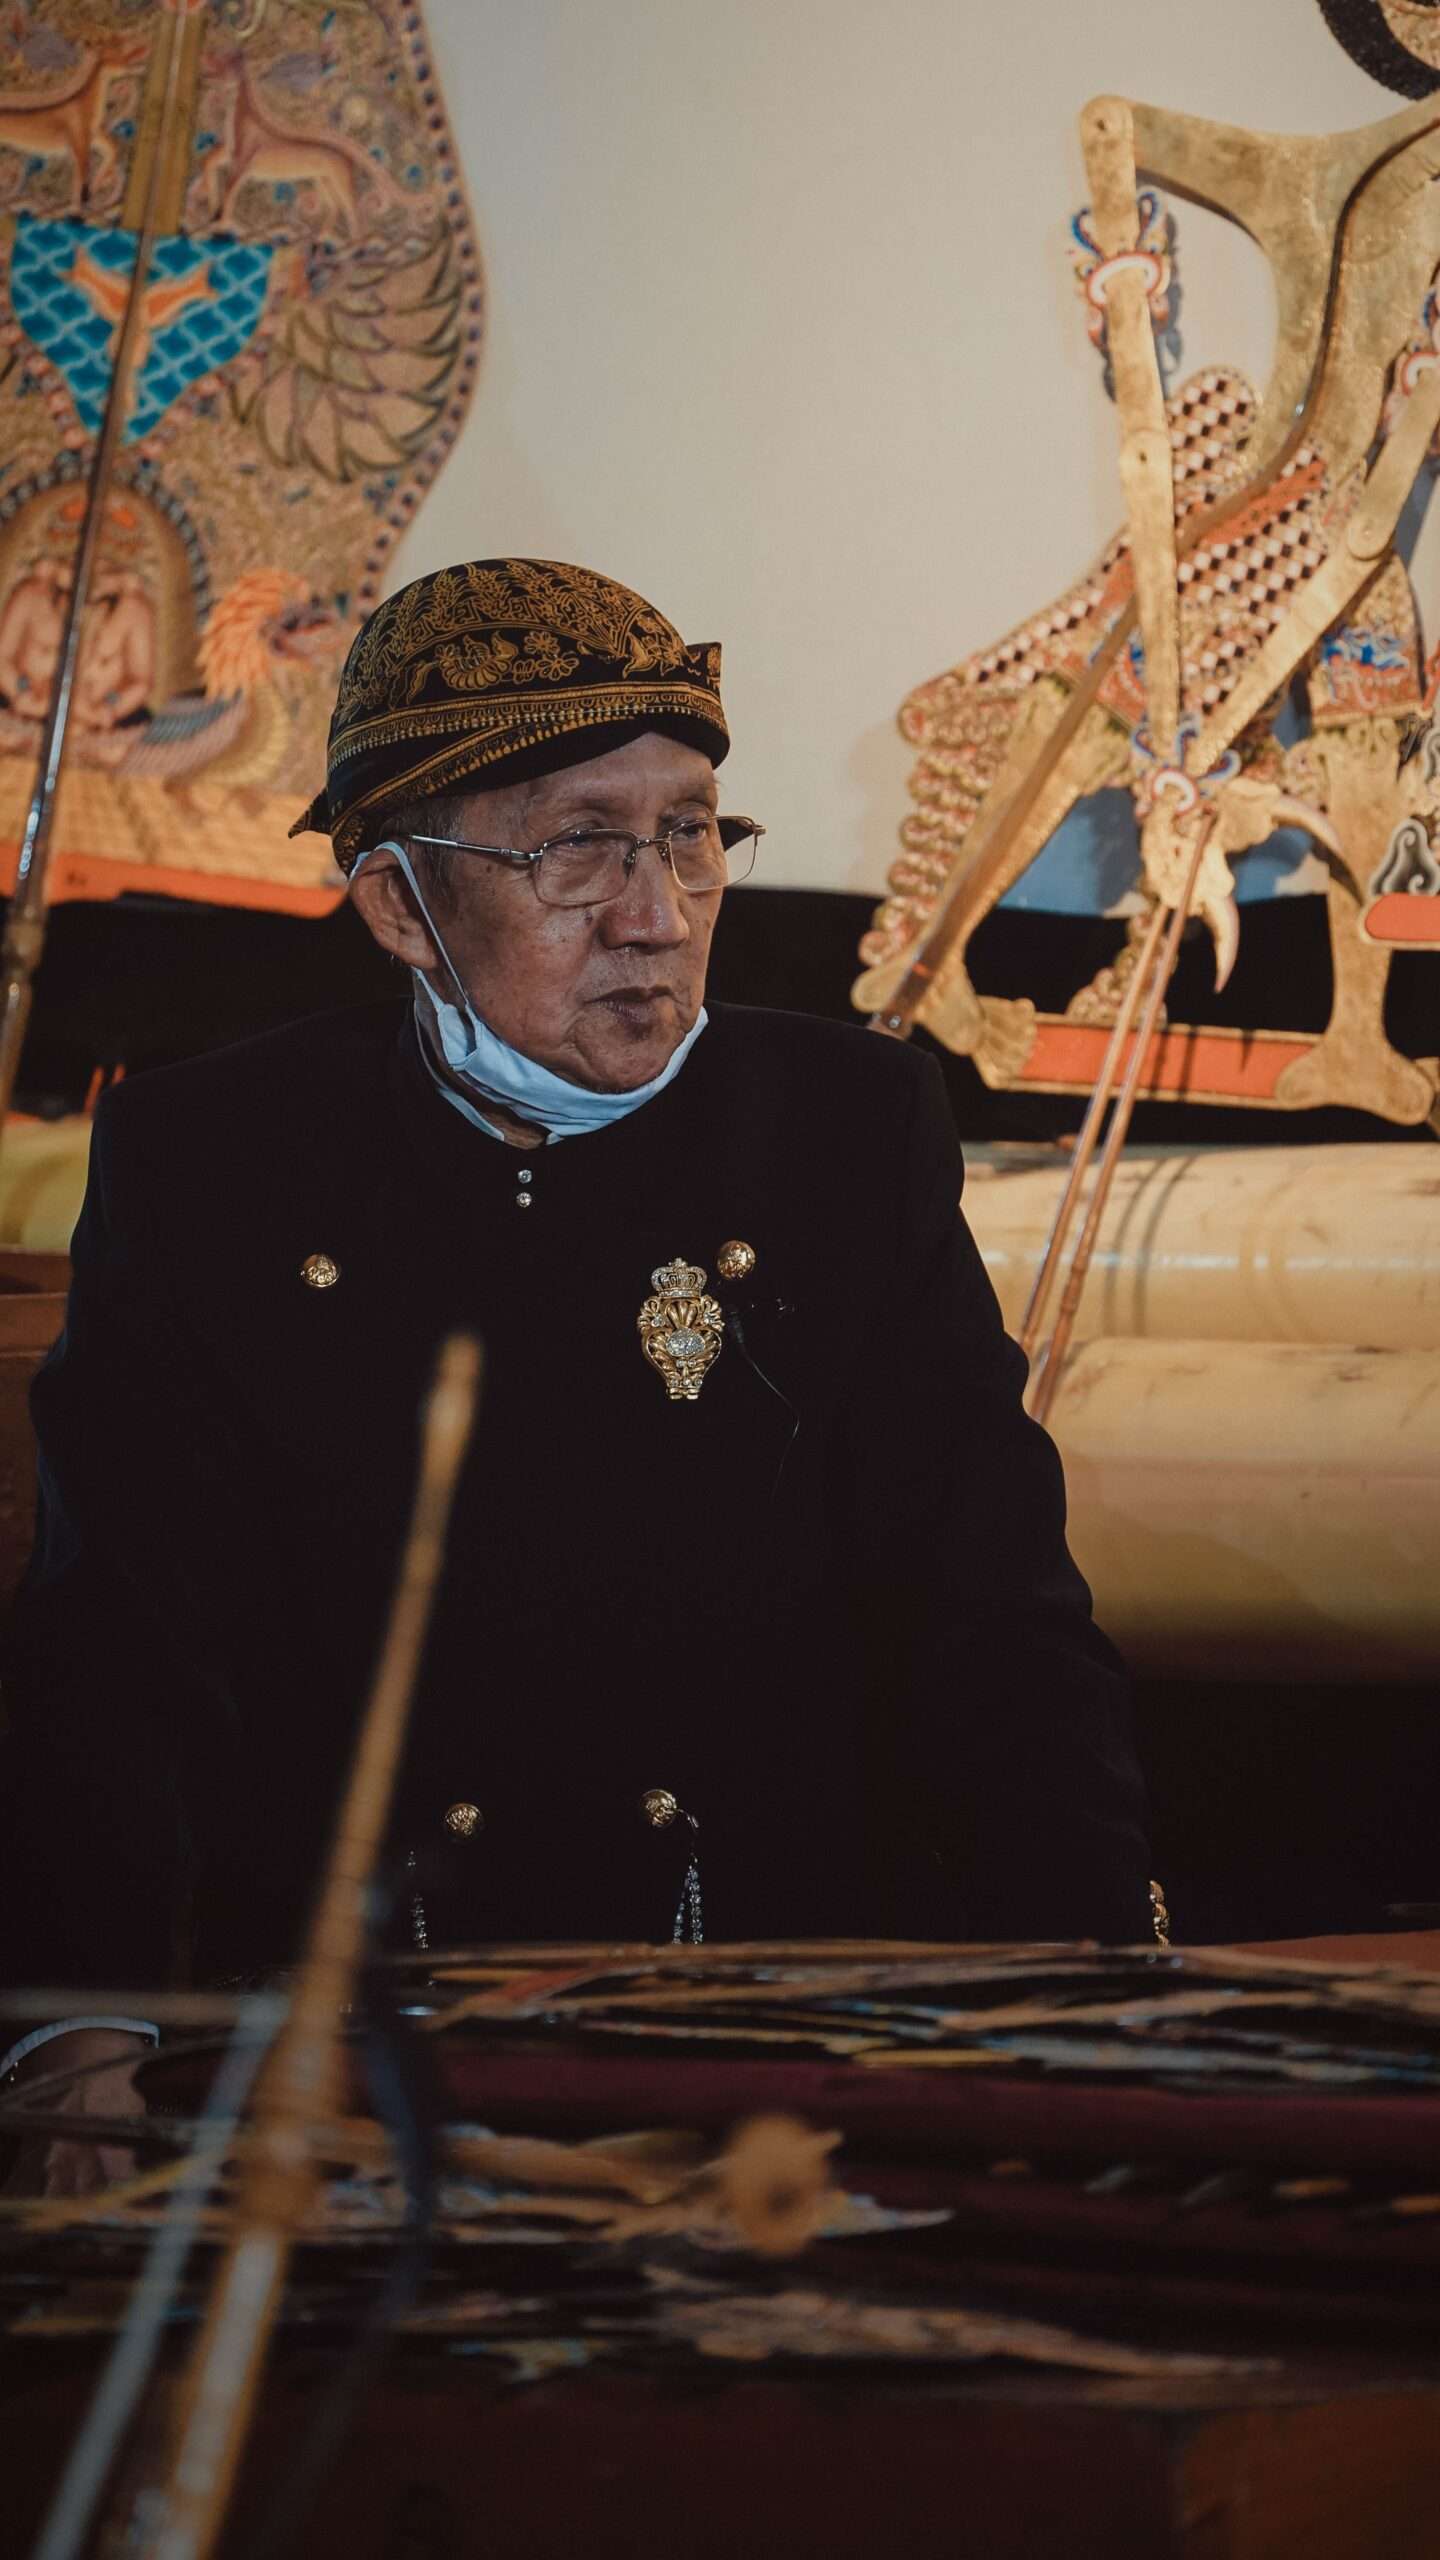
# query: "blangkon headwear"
{"points": [[495, 672]]}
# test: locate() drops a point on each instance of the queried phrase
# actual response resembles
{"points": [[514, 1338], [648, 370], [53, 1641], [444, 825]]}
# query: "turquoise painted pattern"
{"points": [[74, 323]]}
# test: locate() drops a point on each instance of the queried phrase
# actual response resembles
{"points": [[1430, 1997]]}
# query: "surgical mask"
{"points": [[490, 1070]]}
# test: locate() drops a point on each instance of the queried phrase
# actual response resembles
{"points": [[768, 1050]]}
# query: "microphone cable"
{"points": [[736, 1318]]}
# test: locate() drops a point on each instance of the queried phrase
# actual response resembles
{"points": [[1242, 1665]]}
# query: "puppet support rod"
{"points": [[25, 924], [1157, 973]]}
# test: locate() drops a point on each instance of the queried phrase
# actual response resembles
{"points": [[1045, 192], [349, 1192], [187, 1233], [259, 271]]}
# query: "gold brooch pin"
{"points": [[680, 1328], [735, 1260], [319, 1271]]}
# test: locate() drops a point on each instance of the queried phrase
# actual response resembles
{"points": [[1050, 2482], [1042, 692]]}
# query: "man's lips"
{"points": [[635, 999]]}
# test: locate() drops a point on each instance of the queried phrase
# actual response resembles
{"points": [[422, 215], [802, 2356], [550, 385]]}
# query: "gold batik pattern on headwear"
{"points": [[494, 660], [441, 622]]}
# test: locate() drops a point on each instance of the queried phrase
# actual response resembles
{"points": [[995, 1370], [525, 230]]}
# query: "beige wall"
{"points": [[781, 330]]}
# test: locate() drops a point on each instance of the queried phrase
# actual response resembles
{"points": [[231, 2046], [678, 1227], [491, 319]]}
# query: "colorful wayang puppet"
{"points": [[311, 328]]}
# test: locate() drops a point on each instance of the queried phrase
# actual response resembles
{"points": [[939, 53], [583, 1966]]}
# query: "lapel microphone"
{"points": [[735, 1264]]}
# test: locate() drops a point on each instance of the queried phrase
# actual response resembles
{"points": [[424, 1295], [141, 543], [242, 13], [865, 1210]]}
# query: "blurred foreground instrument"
{"points": [[299, 2092], [1113, 2241]]}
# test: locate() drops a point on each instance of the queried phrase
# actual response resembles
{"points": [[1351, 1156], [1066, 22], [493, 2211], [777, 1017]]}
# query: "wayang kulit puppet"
{"points": [[1259, 572]]}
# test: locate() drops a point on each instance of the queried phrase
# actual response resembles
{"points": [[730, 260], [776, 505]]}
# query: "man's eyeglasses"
{"points": [[590, 866]]}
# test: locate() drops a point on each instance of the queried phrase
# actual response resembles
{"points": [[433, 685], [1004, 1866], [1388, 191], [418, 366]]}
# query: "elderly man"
{"points": [[758, 1618]]}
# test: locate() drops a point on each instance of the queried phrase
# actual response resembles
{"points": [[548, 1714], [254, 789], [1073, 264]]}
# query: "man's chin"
{"points": [[639, 1066], [624, 1049]]}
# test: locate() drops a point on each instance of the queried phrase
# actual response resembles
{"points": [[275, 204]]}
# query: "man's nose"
{"points": [[650, 908]]}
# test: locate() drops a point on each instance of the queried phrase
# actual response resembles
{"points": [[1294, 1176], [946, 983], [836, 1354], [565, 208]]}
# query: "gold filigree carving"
{"points": [[681, 1329], [1007, 1036]]}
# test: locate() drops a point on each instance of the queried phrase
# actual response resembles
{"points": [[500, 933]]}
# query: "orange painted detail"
{"points": [[1184, 1063], [1403, 917], [81, 875]]}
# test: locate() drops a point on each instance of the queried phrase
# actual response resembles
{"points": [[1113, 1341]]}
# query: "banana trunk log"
{"points": [[1327, 1244], [1250, 1420], [1257, 1510]]}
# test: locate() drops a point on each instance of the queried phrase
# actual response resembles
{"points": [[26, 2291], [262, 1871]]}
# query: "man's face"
{"points": [[601, 995]]}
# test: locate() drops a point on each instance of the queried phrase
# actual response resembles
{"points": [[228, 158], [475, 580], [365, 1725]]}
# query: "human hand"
{"points": [[57, 2164]]}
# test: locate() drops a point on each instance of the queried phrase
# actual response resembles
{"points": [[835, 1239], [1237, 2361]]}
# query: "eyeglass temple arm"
{"points": [[497, 852]]}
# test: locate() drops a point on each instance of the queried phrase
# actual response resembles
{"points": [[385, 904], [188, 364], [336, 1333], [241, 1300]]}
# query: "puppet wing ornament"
{"points": [[303, 353], [1258, 569]]}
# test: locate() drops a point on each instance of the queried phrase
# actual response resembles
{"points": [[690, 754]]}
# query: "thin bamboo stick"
{"points": [[1046, 1376], [300, 2088], [1085, 1144]]}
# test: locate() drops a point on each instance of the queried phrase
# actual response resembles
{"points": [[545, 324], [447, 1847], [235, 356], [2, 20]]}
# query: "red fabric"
{"points": [[966, 2111]]}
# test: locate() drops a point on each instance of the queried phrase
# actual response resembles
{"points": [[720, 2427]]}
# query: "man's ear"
{"points": [[385, 902]]}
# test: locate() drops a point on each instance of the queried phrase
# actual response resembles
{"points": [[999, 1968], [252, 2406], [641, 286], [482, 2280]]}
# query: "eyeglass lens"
{"points": [[593, 864]]}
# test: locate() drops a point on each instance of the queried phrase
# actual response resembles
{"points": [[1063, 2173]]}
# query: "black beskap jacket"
{"points": [[856, 1652]]}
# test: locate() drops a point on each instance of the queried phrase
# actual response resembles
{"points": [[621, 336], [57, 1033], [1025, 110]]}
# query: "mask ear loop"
{"points": [[388, 844]]}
